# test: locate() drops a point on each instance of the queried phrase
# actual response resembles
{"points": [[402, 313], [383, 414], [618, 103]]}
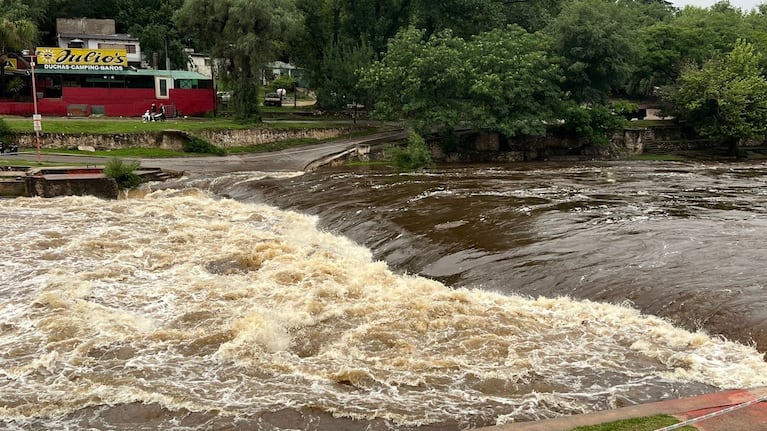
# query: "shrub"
{"points": [[414, 156], [201, 146], [123, 173], [595, 123], [5, 129], [15, 87]]}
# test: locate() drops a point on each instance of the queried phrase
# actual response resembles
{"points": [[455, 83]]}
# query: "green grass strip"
{"points": [[648, 423], [135, 125]]}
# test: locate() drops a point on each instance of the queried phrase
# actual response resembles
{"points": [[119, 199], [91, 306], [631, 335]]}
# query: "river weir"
{"points": [[364, 299]]}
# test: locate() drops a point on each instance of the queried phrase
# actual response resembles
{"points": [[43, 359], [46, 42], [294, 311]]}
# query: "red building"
{"points": [[84, 82]]}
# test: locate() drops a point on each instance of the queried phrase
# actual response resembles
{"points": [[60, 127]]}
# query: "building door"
{"points": [[162, 87]]}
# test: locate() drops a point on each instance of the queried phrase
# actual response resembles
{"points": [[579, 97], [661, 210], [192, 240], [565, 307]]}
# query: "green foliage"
{"points": [[287, 82], [647, 423], [726, 98], [501, 80], [623, 106], [413, 157], [242, 34], [123, 173], [339, 67], [594, 123], [693, 36], [596, 46], [5, 129], [463, 18], [201, 146], [148, 20], [15, 35], [15, 87], [110, 126], [340, 36], [14, 10]]}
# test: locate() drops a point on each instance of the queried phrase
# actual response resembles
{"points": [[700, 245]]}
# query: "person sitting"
{"points": [[146, 117]]}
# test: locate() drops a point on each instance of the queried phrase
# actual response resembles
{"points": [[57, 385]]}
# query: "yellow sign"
{"points": [[81, 59], [11, 63]]}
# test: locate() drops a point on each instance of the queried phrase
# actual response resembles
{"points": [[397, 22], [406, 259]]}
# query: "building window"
{"points": [[130, 49]]}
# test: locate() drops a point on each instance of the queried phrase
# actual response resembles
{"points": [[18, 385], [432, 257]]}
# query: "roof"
{"points": [[117, 36], [280, 65], [175, 74]]}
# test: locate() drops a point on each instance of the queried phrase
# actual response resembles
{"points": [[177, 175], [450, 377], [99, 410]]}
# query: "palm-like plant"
{"points": [[14, 36]]}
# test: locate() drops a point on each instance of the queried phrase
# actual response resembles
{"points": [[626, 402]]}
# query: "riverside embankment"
{"points": [[575, 250]]}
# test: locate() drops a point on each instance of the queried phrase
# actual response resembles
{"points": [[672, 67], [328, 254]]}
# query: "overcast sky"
{"points": [[746, 5]]}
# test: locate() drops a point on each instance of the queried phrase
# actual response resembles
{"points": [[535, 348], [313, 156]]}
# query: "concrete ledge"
{"points": [[750, 418]]}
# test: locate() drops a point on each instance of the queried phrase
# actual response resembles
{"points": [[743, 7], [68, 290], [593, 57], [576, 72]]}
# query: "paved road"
{"points": [[292, 159]]}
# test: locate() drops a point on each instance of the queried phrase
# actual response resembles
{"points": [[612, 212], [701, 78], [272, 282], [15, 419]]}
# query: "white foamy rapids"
{"points": [[190, 302]]}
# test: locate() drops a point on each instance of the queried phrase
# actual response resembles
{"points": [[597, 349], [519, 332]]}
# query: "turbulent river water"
{"points": [[365, 299]]}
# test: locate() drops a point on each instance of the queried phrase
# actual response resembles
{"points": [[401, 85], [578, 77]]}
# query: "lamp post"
{"points": [[37, 118]]}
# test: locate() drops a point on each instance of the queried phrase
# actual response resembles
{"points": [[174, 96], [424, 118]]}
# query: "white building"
{"points": [[277, 69], [96, 34], [200, 63]]}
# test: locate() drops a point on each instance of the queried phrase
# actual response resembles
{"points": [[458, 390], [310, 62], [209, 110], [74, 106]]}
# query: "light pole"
{"points": [[37, 118]]}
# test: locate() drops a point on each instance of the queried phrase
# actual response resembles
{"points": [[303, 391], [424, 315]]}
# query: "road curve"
{"points": [[291, 159]]}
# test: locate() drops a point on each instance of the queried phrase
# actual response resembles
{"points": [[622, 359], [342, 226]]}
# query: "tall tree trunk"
{"points": [[3, 59]]}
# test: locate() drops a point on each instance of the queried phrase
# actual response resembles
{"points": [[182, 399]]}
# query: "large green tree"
{"points": [[240, 35], [148, 21], [340, 36], [693, 36], [597, 47], [502, 80], [726, 98]]}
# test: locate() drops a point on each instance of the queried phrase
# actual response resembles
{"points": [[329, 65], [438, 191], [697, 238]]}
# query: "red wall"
{"points": [[193, 102], [126, 102]]}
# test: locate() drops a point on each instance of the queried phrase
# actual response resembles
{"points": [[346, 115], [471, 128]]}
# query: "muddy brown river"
{"points": [[363, 299], [682, 241]]}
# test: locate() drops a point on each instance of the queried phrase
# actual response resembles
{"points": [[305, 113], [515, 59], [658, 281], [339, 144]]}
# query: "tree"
{"points": [[148, 21], [423, 81], [341, 36], [726, 98], [240, 34], [412, 157], [501, 80], [338, 68], [693, 36], [14, 36], [463, 18], [597, 48]]}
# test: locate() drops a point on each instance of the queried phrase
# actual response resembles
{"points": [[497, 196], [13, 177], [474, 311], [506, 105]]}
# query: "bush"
{"points": [[414, 156], [123, 173], [5, 129], [201, 146], [595, 123]]}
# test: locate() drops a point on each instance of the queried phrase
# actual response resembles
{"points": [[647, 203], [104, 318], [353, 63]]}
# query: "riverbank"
{"points": [[732, 410], [293, 159]]}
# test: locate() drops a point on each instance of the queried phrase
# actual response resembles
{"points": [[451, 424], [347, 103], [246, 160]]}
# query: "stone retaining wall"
{"points": [[172, 139], [634, 140], [238, 138]]}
